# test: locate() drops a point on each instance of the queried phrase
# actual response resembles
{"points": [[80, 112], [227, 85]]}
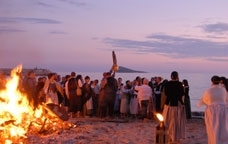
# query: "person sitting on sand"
{"points": [[216, 112]]}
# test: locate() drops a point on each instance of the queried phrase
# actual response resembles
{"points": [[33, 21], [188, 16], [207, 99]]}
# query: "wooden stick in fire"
{"points": [[42, 128]]}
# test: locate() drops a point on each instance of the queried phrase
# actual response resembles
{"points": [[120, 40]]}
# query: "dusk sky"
{"points": [[146, 35]]}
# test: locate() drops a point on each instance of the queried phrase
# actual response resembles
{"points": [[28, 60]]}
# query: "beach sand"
{"points": [[97, 131]]}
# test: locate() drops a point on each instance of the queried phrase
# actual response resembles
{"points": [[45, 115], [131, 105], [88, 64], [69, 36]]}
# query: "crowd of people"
{"points": [[108, 97], [140, 98]]}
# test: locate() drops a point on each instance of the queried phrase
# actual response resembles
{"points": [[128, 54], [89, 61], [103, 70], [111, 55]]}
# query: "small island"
{"points": [[127, 70]]}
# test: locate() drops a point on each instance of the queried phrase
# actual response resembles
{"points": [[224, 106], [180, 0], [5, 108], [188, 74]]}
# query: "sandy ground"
{"points": [[97, 131]]}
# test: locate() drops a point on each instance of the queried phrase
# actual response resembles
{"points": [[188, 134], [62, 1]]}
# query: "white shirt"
{"points": [[214, 95], [144, 92]]}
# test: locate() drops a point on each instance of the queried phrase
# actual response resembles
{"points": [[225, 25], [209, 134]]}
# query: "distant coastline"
{"points": [[127, 70], [45, 72], [38, 71]]}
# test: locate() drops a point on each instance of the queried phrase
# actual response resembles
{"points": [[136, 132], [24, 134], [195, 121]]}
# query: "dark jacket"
{"points": [[174, 92]]}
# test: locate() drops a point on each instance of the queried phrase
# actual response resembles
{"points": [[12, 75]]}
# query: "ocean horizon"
{"points": [[198, 82]]}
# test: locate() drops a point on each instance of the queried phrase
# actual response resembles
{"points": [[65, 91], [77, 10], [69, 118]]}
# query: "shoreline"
{"points": [[198, 114], [38, 71], [96, 131]]}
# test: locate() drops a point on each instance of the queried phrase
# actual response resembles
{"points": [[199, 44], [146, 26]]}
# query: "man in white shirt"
{"points": [[144, 96]]}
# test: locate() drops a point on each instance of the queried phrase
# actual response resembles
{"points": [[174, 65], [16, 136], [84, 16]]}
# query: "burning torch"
{"points": [[161, 132]]}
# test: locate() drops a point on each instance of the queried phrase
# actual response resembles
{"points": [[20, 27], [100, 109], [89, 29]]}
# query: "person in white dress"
{"points": [[216, 112], [134, 104], [50, 89]]}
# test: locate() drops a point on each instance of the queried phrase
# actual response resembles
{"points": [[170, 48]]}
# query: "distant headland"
{"points": [[127, 70], [38, 71]]}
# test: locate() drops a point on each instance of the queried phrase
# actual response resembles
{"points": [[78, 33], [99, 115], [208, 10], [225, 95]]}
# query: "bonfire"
{"points": [[18, 118]]}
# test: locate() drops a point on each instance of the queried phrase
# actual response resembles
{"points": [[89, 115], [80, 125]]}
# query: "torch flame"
{"points": [[160, 117]]}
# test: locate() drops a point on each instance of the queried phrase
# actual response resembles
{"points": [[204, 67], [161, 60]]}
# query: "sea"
{"points": [[198, 82]]}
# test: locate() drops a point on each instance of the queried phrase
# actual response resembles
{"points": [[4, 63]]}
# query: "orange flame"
{"points": [[160, 117], [15, 112]]}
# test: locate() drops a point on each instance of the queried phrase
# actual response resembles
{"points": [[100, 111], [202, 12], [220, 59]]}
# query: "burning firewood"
{"points": [[7, 122], [18, 118]]}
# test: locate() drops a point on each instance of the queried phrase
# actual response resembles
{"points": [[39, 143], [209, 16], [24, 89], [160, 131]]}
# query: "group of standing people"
{"points": [[42, 90], [86, 97], [140, 97], [214, 98]]}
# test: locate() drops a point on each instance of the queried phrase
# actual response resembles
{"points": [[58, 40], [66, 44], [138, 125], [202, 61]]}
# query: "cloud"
{"points": [[57, 32], [95, 38], [44, 4], [73, 2], [172, 46], [10, 30], [220, 59], [29, 20], [215, 28]]}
